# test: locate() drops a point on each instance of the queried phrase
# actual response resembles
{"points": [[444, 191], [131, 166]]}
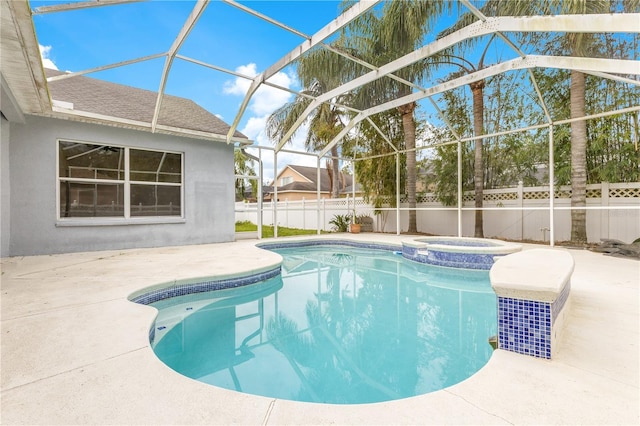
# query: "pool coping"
{"points": [[192, 285], [175, 288], [495, 247], [61, 364]]}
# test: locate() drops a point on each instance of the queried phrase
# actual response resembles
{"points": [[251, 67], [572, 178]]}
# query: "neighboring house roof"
{"points": [[116, 100], [309, 174], [248, 194]]}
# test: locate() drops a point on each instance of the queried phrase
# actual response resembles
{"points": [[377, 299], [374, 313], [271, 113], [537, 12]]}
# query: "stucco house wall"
{"points": [[288, 172], [32, 216], [297, 195], [5, 195], [303, 184]]}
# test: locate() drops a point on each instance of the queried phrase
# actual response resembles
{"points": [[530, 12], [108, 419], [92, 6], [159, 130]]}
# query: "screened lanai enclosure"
{"points": [[489, 119], [507, 119]]}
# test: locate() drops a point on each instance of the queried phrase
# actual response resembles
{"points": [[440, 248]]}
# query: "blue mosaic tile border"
{"points": [[479, 261], [524, 326], [201, 287], [559, 303], [357, 244]]}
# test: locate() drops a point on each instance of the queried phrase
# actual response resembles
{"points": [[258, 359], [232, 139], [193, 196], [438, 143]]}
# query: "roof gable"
{"points": [[310, 175], [115, 100]]}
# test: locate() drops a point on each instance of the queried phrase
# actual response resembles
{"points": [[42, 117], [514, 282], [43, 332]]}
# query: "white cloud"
{"points": [[254, 129], [47, 62], [239, 86], [266, 100]]}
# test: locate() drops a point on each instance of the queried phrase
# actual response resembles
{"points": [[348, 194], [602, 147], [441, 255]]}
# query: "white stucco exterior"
{"points": [[5, 194], [29, 221]]}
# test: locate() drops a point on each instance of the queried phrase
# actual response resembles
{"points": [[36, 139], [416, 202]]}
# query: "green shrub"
{"points": [[340, 222]]}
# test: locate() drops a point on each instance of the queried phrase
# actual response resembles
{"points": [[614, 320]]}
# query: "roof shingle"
{"points": [[310, 173], [116, 100]]}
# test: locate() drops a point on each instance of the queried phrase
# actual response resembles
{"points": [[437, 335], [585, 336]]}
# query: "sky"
{"points": [[224, 36]]}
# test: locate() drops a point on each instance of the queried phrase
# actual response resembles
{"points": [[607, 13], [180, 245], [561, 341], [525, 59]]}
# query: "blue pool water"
{"points": [[341, 325]]}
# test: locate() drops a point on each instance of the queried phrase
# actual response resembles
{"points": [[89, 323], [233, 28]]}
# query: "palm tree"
{"points": [[243, 166], [399, 30], [477, 91], [578, 44], [326, 121]]}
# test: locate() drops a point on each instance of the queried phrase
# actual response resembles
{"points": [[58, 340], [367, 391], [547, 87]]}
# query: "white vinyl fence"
{"points": [[519, 213]]}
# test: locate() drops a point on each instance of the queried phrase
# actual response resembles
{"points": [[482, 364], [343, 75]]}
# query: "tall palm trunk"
{"points": [[477, 89], [578, 159], [335, 171], [409, 126]]}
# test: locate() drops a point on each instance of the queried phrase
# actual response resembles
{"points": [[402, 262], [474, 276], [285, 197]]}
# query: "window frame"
{"points": [[126, 218], [286, 180]]}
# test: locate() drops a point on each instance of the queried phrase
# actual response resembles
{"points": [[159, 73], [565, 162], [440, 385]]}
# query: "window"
{"points": [[110, 181], [286, 180]]}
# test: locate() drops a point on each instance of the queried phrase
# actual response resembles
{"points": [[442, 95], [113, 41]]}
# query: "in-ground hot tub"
{"points": [[457, 252]]}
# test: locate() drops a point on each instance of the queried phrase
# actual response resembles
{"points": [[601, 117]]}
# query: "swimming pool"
{"points": [[340, 325]]}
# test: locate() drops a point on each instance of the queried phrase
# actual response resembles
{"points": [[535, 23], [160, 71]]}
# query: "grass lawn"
{"points": [[267, 231]]}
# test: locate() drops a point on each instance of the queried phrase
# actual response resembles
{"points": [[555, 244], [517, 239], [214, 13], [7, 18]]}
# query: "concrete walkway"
{"points": [[76, 351]]}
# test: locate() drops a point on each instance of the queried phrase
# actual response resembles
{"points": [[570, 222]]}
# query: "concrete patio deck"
{"points": [[76, 351]]}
